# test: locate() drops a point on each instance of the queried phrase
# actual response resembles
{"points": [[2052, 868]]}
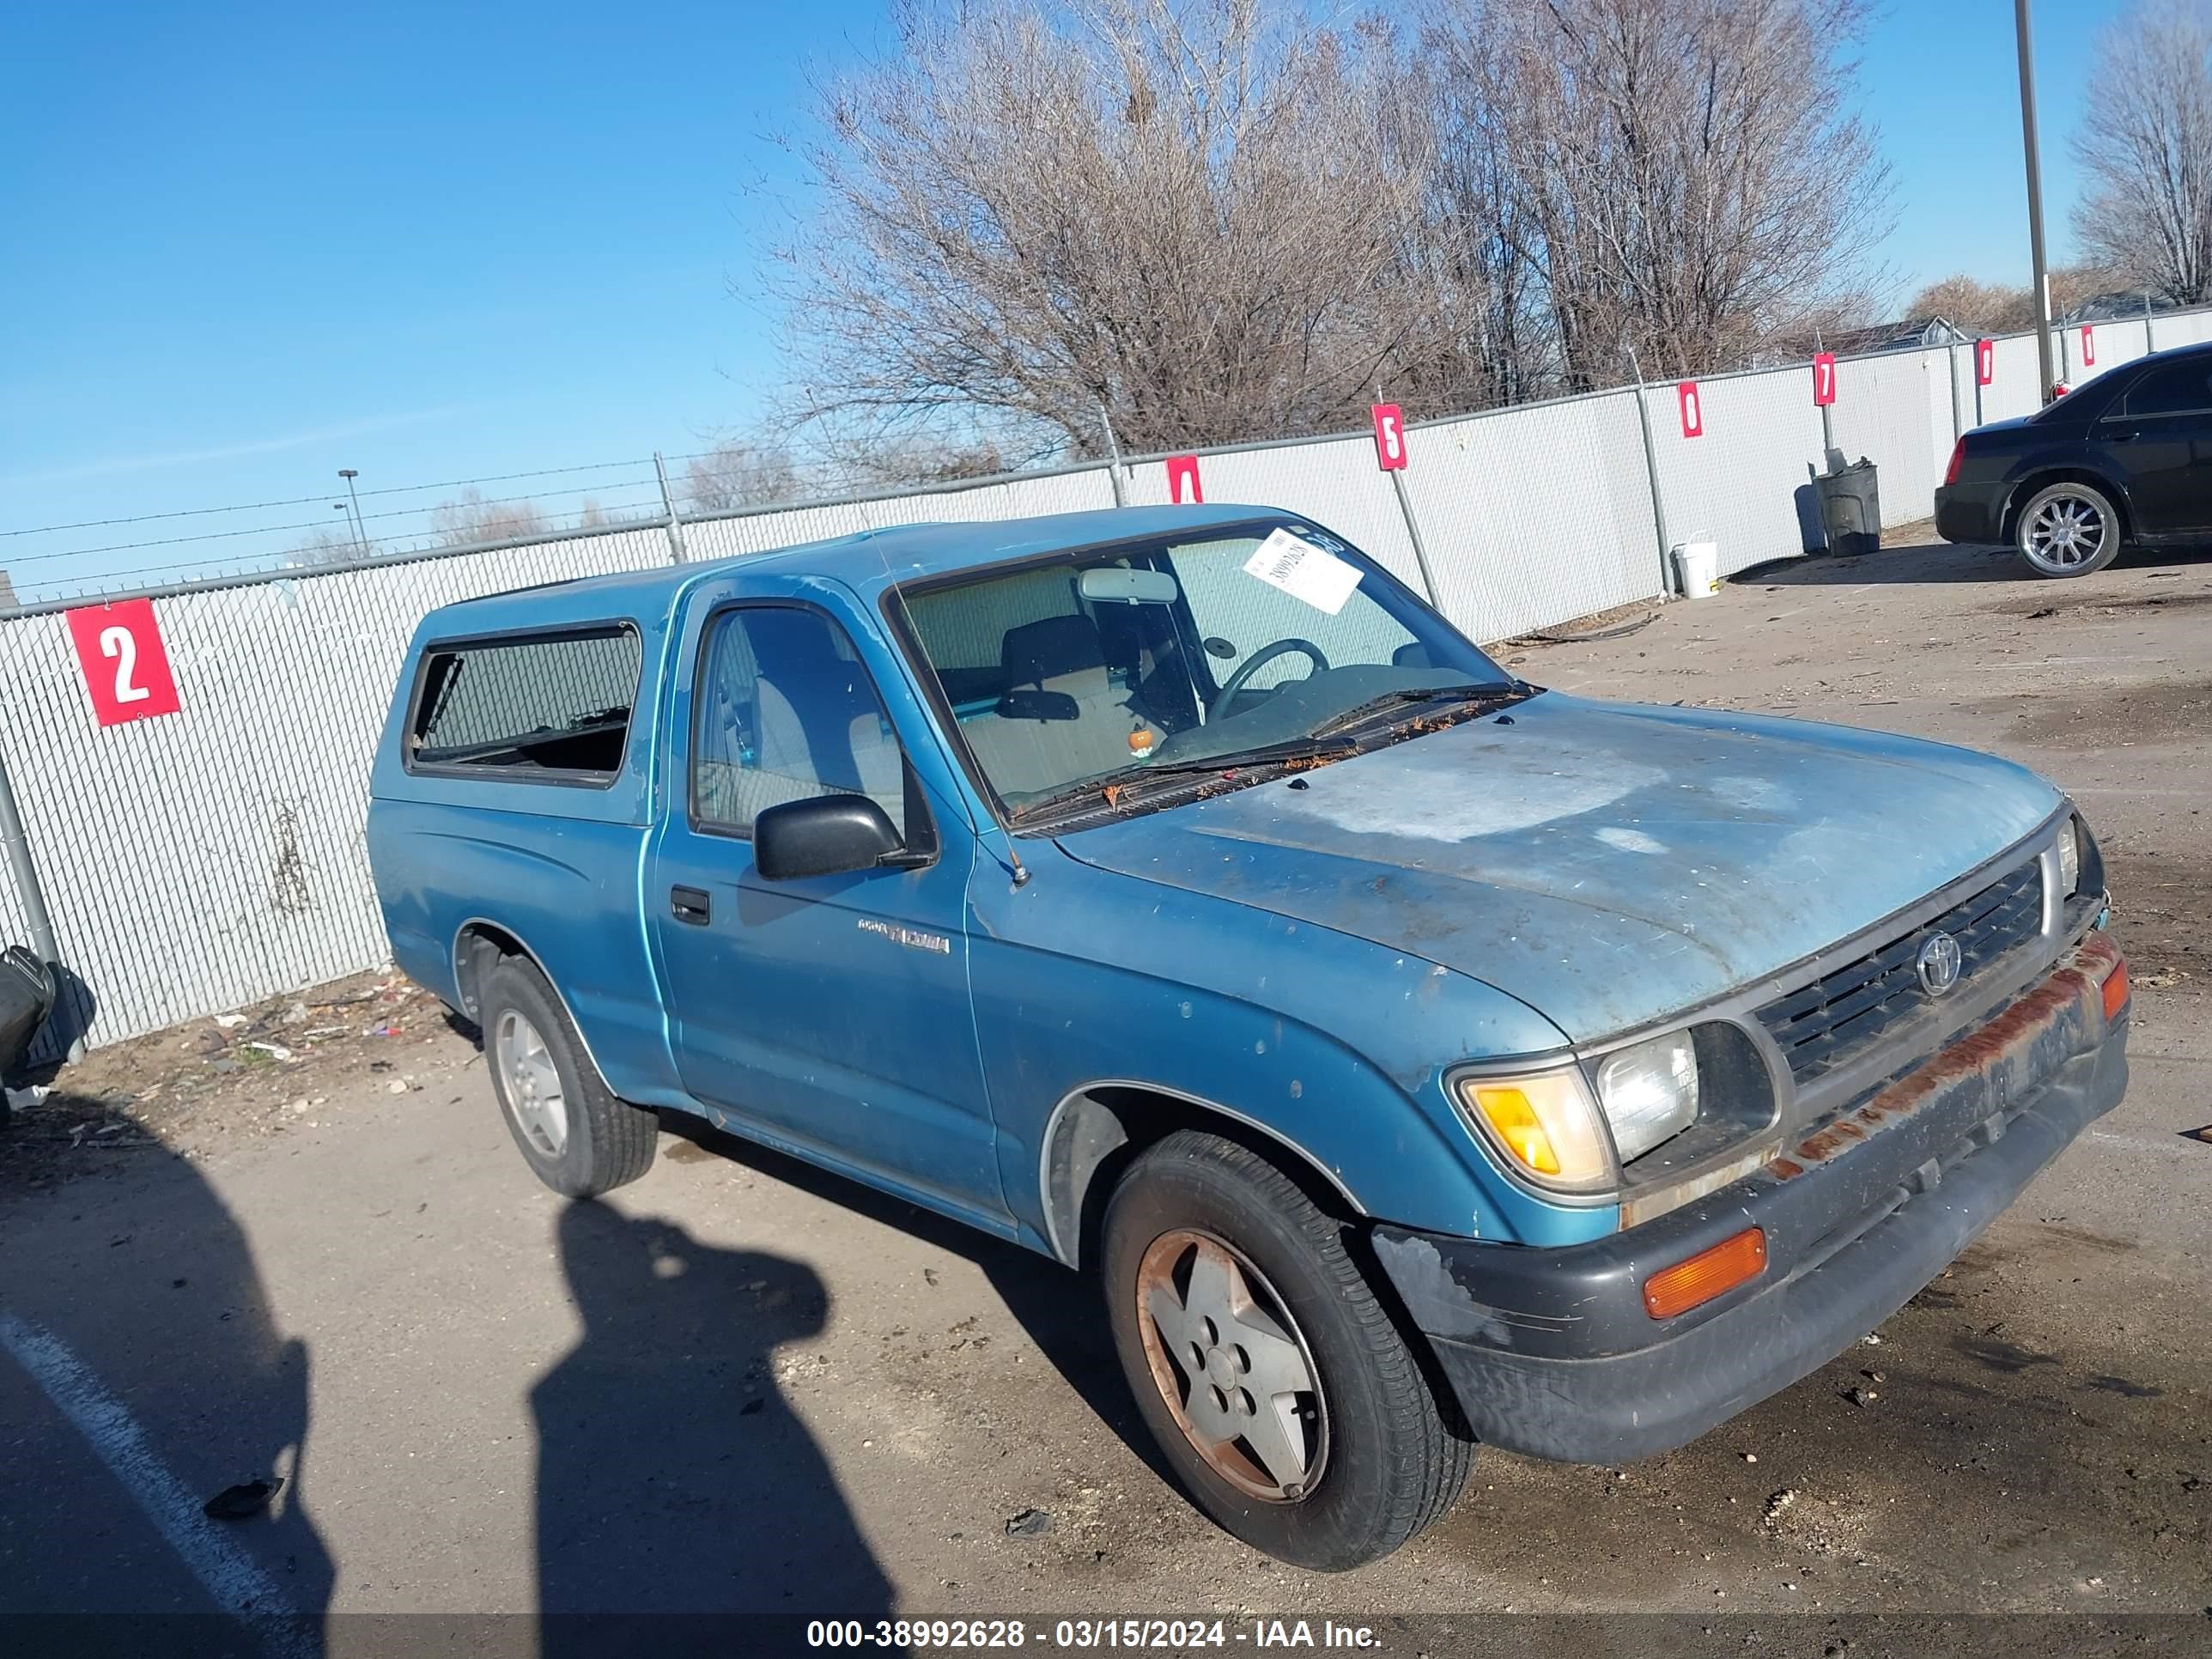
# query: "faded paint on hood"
{"points": [[1607, 863]]}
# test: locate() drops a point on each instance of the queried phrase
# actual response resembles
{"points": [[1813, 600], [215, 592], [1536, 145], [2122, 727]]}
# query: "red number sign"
{"points": [[1824, 378], [1389, 438], [1182, 474], [1985, 361], [1693, 412], [2088, 345], [126, 667]]}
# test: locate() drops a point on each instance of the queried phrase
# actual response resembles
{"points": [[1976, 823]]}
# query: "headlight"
{"points": [[1649, 1093], [1545, 1123], [1553, 1128], [2069, 859]]}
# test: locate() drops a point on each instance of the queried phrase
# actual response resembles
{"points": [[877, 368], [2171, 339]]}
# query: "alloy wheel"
{"points": [[531, 1083], [2065, 533], [1232, 1366]]}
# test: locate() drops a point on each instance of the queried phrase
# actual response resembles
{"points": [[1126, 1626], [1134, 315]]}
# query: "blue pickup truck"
{"points": [[1417, 1057]]}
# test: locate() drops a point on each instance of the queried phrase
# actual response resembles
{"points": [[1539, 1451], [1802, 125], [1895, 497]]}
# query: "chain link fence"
{"points": [[200, 861]]}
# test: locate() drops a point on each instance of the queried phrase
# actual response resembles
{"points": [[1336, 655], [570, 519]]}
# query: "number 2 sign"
{"points": [[126, 667]]}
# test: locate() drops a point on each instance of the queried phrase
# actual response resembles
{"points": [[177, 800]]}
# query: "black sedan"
{"points": [[2126, 458]]}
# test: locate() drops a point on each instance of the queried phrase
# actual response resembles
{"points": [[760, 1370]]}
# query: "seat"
{"points": [[1060, 718], [816, 726]]}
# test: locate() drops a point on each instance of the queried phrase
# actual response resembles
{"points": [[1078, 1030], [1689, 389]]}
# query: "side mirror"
{"points": [[828, 836]]}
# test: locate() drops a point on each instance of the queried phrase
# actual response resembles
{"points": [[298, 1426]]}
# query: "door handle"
{"points": [[691, 904]]}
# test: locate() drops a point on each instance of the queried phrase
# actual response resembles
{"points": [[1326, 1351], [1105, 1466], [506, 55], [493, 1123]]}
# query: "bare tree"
{"points": [[1189, 213], [1993, 308], [1221, 220], [735, 474], [1965, 303], [1692, 176], [2145, 143], [1483, 335], [468, 518]]}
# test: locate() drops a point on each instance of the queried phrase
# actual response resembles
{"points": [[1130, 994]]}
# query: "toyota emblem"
{"points": [[1939, 963]]}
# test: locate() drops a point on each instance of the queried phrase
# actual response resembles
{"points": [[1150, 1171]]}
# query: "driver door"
{"points": [[829, 1014]]}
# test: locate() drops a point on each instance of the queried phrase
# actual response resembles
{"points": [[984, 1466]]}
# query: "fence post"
{"points": [[668, 502], [25, 870], [1113, 459], [1651, 473], [1413, 535]]}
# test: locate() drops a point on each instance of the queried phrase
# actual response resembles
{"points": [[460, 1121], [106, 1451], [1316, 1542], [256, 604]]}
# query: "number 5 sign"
{"points": [[126, 667], [1389, 437]]}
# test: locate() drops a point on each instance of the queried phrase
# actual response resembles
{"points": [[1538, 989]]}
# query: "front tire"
{"points": [[2068, 530], [1274, 1379], [575, 1135]]}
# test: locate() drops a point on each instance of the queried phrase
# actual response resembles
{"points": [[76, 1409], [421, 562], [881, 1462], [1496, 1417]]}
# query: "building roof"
{"points": [[867, 560]]}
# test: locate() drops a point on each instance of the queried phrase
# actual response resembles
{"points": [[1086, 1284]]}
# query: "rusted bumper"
{"points": [[1552, 1352]]}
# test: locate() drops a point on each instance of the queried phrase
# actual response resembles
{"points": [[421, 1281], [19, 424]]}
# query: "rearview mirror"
{"points": [[1111, 584], [827, 835]]}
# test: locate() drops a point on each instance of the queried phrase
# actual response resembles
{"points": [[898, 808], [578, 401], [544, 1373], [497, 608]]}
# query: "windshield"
{"points": [[1160, 654]]}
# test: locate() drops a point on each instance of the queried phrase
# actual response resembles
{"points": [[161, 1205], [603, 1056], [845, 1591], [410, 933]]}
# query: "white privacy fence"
{"points": [[200, 860]]}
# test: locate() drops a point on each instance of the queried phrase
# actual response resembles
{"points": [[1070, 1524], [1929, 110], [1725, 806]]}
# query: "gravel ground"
{"points": [[742, 1383]]}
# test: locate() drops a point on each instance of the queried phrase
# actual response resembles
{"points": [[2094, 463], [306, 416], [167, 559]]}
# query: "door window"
{"points": [[787, 711], [2183, 388]]}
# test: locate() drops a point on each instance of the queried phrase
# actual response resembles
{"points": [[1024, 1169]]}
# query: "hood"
{"points": [[1607, 863]]}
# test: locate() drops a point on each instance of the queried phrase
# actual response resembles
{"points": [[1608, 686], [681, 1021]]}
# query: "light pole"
{"points": [[361, 536], [2034, 198]]}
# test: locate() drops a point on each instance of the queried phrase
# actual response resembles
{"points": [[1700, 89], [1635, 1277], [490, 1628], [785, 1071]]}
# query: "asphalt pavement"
{"points": [[741, 1384]]}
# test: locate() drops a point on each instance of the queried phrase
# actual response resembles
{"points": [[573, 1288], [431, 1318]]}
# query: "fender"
{"points": [[465, 979], [1082, 1133]]}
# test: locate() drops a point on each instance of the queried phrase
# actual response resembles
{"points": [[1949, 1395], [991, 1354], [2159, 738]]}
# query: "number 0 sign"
{"points": [[126, 667]]}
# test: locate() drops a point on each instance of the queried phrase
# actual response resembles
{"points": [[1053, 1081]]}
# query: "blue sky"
{"points": [[247, 244]]}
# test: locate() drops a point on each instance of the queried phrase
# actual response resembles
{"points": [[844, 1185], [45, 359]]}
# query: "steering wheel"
{"points": [[1266, 654]]}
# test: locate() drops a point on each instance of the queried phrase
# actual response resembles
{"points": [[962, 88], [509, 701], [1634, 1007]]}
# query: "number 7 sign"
{"points": [[1824, 378], [126, 667]]}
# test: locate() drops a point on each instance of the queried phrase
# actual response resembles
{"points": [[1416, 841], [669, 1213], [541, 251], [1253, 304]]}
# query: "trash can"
{"points": [[1851, 505], [1697, 570]]}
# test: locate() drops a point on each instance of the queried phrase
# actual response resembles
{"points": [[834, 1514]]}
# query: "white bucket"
{"points": [[1698, 570]]}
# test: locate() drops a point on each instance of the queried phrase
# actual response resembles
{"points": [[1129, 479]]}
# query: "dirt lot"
{"points": [[745, 1385]]}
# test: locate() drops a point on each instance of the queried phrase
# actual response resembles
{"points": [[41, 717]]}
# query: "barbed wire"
{"points": [[471, 507]]}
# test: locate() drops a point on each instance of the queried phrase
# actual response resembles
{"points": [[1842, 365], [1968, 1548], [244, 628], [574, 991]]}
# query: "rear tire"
{"points": [[1198, 1225], [575, 1135], [2068, 530]]}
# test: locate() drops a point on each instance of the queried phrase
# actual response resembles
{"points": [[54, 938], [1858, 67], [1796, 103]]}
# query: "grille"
{"points": [[1840, 1016]]}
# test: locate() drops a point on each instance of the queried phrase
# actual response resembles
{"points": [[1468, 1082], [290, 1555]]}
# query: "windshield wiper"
{"points": [[1107, 785], [1359, 713]]}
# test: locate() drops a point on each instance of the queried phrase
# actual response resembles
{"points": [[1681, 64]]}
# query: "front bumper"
{"points": [[1971, 513], [1551, 1352]]}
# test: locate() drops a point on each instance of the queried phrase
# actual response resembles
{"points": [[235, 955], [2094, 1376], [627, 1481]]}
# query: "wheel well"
{"points": [[1096, 1132], [2025, 491], [481, 945]]}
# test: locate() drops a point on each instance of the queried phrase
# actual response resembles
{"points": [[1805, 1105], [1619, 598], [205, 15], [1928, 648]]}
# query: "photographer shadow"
{"points": [[676, 1487]]}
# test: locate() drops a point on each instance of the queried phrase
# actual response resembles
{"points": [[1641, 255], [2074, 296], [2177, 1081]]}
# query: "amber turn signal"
{"points": [[2116, 989], [1697, 1279]]}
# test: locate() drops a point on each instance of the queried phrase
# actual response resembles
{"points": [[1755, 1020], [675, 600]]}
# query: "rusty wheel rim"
{"points": [[1232, 1366]]}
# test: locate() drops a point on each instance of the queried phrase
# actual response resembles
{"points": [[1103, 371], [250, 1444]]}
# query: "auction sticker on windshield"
{"points": [[1304, 571]]}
